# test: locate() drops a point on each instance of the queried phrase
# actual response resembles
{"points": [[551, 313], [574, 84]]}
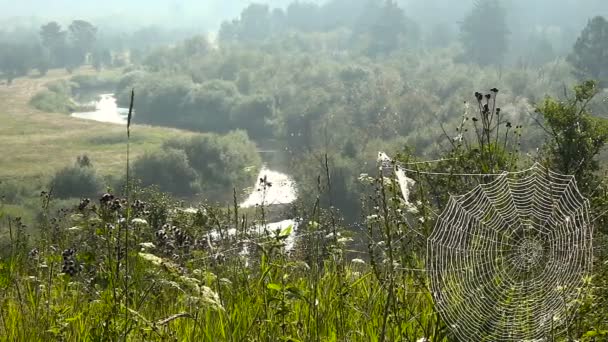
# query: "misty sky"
{"points": [[208, 14]]}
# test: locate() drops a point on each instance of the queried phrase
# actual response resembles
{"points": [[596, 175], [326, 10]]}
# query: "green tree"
{"points": [[101, 58], [78, 180], [168, 169], [160, 99], [303, 16], [82, 38], [196, 46], [221, 161], [252, 113], [484, 33], [53, 38], [255, 23], [590, 53], [575, 136], [381, 28], [15, 60], [207, 106], [387, 29]]}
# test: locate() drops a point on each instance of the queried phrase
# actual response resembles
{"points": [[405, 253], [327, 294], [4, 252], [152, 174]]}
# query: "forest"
{"points": [[339, 170]]}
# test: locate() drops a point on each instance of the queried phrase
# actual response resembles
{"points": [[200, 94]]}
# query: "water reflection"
{"points": [[282, 190], [106, 110]]}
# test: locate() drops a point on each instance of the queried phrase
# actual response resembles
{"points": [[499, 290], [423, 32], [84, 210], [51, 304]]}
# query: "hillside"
{"points": [[37, 144]]}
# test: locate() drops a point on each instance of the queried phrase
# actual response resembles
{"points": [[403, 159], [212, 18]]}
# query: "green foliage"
{"points": [[164, 285], [207, 106], [382, 27], [16, 59], [54, 39], [212, 163], [485, 141], [590, 51], [575, 136], [82, 36], [57, 98], [89, 82], [221, 161], [79, 180], [253, 113], [484, 33], [168, 169]]}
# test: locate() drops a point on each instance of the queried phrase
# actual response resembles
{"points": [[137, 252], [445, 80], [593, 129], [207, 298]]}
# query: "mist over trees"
{"points": [[590, 52], [133, 239], [484, 33]]}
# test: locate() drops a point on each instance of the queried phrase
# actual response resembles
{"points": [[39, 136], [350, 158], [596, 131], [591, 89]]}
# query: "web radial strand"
{"points": [[507, 259]]}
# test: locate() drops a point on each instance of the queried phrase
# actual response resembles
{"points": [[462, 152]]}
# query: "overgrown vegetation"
{"points": [[77, 180], [141, 267], [57, 98], [116, 246]]}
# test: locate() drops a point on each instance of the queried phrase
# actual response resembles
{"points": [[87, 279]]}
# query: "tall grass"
{"points": [[177, 284], [141, 268]]}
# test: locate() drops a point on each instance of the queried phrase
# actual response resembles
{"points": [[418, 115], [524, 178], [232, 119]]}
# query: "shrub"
{"points": [[168, 169], [55, 99], [221, 161], [94, 82], [79, 180], [252, 113], [484, 33], [589, 53]]}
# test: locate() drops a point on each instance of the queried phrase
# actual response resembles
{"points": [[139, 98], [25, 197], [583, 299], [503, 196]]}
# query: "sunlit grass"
{"points": [[34, 143]]}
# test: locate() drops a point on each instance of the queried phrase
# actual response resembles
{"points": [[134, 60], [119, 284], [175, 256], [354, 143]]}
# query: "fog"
{"points": [[336, 170], [209, 14], [204, 15]]}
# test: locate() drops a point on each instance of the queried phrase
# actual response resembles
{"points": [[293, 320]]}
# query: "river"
{"points": [[106, 110], [281, 191]]}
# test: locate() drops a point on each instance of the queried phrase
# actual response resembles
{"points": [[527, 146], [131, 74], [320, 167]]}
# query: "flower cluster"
{"points": [[70, 265]]}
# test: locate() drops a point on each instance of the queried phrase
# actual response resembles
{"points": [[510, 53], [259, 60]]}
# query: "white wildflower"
{"points": [[344, 240], [358, 261], [147, 245], [139, 221], [372, 218], [211, 298], [411, 209], [151, 258], [77, 217]]}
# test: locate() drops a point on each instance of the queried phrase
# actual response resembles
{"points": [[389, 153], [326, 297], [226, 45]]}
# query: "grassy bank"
{"points": [[35, 144]]}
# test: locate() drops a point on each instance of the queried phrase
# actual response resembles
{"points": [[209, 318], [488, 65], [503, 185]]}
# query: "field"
{"points": [[34, 144]]}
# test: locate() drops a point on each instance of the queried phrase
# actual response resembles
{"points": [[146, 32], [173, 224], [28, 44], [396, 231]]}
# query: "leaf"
{"points": [[274, 286], [286, 231], [595, 333], [296, 292]]}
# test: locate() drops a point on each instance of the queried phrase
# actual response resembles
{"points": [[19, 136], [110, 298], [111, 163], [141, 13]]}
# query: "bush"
{"points": [[207, 107], [55, 99], [94, 82], [589, 53], [253, 113], [221, 161], [168, 169], [79, 180]]}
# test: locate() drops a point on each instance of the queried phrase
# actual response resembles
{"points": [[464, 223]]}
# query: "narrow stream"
{"points": [[106, 110], [281, 189]]}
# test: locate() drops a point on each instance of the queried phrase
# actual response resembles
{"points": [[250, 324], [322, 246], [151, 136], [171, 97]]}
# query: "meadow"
{"points": [[449, 187], [36, 144]]}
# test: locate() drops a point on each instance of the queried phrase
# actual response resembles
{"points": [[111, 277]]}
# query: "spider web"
{"points": [[508, 259]]}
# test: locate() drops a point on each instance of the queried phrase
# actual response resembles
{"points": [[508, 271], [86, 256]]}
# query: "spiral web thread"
{"points": [[507, 259]]}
